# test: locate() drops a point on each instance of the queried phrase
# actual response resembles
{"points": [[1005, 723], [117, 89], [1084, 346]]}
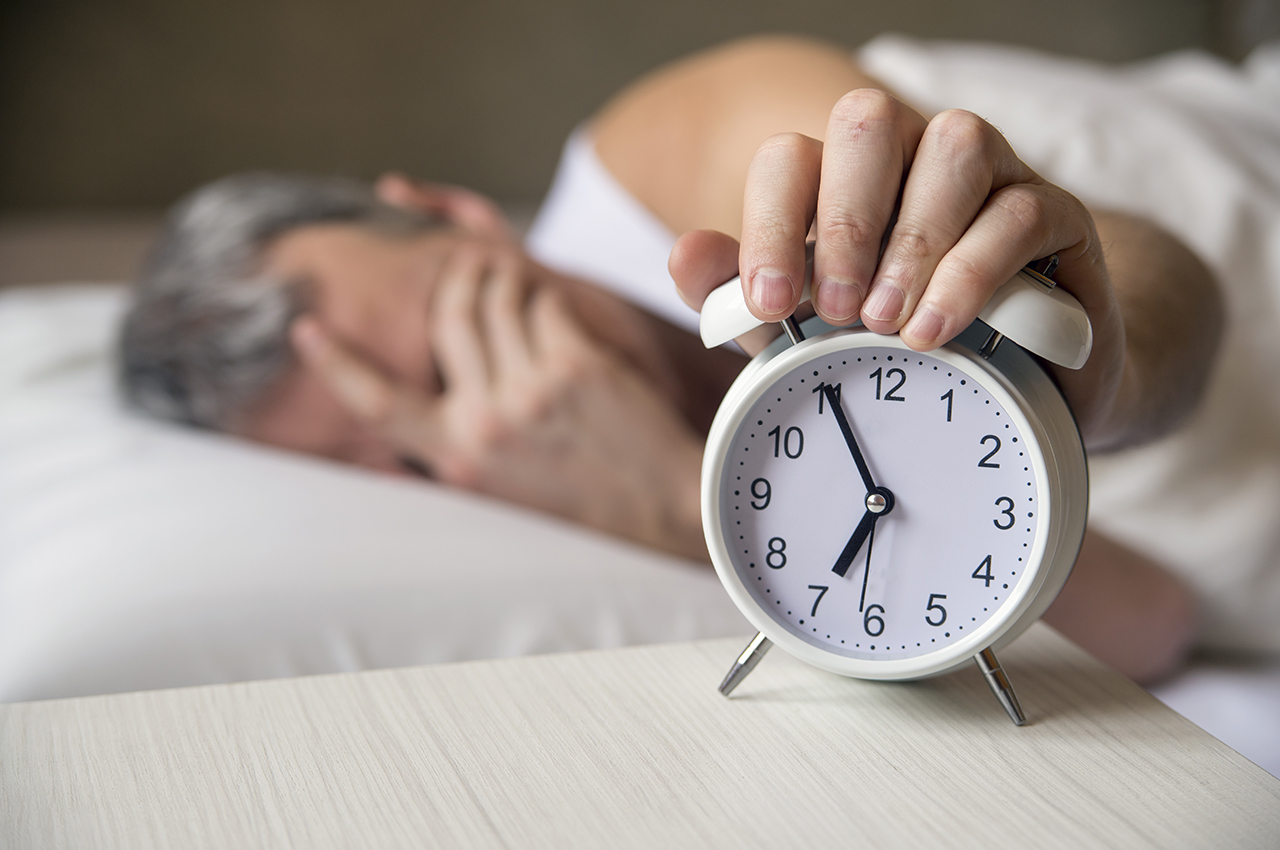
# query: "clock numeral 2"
{"points": [[985, 463], [889, 396], [783, 442]]}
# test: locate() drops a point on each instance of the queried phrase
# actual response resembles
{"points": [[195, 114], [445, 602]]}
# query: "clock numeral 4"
{"points": [[983, 572]]}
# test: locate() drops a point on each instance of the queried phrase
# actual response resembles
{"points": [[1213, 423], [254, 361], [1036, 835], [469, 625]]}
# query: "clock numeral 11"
{"points": [[822, 396]]}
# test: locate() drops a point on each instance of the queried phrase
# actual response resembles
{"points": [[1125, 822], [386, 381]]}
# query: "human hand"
{"points": [[532, 409], [456, 204], [969, 214]]}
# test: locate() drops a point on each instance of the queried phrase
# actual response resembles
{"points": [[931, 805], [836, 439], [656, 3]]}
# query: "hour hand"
{"points": [[833, 401], [851, 548]]}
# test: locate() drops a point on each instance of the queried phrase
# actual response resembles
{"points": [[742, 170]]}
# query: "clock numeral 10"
{"points": [[784, 443]]}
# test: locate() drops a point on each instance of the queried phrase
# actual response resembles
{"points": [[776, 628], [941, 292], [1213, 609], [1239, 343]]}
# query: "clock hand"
{"points": [[879, 503], [851, 548], [834, 403], [871, 541]]}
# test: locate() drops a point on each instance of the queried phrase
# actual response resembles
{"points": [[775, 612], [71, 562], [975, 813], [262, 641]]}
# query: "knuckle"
{"points": [[962, 131], [843, 226], [783, 146], [911, 242], [1026, 208]]}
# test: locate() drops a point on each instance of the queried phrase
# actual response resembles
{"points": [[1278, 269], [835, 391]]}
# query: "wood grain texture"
{"points": [[631, 748]]}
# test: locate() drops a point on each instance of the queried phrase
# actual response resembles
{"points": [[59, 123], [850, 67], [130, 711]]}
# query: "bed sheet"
{"points": [[135, 554]]}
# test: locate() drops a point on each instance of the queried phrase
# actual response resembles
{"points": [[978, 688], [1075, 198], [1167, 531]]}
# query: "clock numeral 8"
{"points": [[777, 549], [873, 618]]}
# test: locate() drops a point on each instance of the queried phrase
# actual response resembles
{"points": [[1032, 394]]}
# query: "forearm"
{"points": [[1172, 312]]}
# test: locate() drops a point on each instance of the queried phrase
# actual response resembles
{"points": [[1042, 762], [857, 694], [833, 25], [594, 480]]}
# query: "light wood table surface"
{"points": [[631, 748]]}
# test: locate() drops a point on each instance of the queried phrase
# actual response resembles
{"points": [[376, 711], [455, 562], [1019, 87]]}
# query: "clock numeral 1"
{"points": [[822, 591], [889, 396], [870, 618], [948, 396], [822, 396], [934, 606], [983, 572]]}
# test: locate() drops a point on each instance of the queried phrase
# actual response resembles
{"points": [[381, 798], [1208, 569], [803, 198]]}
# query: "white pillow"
{"points": [[135, 554]]}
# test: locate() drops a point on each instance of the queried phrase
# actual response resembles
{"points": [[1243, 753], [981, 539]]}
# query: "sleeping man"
{"points": [[402, 327]]}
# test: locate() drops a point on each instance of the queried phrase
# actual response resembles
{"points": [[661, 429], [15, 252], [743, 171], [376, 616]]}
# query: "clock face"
{"points": [[934, 558]]}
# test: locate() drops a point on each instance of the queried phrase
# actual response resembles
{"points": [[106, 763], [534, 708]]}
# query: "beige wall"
{"points": [[129, 103]]}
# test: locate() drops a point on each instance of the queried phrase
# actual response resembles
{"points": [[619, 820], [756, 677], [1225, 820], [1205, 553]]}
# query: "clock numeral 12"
{"points": [[889, 396]]}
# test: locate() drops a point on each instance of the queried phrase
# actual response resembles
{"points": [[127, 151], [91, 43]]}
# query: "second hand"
{"points": [[866, 571]]}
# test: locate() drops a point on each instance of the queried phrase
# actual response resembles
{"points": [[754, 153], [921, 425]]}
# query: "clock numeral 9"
{"points": [[873, 618], [777, 549], [765, 497], [985, 463], [934, 606], [889, 396], [983, 572], [783, 442], [1007, 511]]}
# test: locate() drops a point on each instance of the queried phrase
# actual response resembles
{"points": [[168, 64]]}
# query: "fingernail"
{"points": [[771, 290], [925, 326], [837, 299], [885, 303]]}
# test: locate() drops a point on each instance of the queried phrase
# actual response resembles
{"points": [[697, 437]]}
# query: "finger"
{"points": [[394, 410], [459, 205], [961, 160], [778, 207], [456, 336], [700, 261], [559, 340], [1017, 224], [503, 308], [871, 139]]}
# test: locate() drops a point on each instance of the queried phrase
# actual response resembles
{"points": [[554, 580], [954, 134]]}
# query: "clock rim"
{"points": [[1006, 380]]}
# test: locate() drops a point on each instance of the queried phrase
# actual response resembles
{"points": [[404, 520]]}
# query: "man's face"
{"points": [[374, 292]]}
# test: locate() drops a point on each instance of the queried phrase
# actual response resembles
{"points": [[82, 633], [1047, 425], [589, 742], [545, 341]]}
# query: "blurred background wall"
{"points": [[126, 104]]}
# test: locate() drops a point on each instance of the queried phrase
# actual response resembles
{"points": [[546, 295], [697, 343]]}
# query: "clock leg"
{"points": [[746, 662], [1000, 686]]}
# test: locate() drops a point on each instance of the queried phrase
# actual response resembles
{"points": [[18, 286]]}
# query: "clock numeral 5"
{"points": [[934, 606]]}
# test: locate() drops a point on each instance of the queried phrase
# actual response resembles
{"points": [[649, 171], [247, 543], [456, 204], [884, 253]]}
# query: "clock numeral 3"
{"points": [[765, 497], [784, 443], [777, 549], [934, 606], [873, 618], [1007, 511], [985, 463], [983, 572], [888, 376]]}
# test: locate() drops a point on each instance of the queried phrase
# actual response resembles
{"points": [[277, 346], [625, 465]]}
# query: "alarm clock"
{"points": [[883, 513]]}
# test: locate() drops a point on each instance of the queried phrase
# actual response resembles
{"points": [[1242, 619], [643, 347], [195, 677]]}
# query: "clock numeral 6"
{"points": [[870, 618], [764, 497], [777, 549], [934, 606]]}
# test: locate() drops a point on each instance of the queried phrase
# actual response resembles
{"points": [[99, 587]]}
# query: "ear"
{"points": [[459, 206]]}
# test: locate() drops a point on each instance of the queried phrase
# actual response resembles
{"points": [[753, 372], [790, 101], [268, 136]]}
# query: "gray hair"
{"points": [[207, 333]]}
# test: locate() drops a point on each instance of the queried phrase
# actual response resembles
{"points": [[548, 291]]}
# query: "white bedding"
{"points": [[138, 555]]}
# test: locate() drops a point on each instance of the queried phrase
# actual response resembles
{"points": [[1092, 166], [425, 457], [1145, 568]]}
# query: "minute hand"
{"points": [[834, 403]]}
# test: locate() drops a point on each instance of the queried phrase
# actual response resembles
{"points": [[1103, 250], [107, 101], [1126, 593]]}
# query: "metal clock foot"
{"points": [[999, 683], [746, 662]]}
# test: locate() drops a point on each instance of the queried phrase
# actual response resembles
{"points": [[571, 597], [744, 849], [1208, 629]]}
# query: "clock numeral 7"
{"points": [[822, 591]]}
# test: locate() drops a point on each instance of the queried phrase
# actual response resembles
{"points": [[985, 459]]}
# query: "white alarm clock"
{"points": [[886, 514]]}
